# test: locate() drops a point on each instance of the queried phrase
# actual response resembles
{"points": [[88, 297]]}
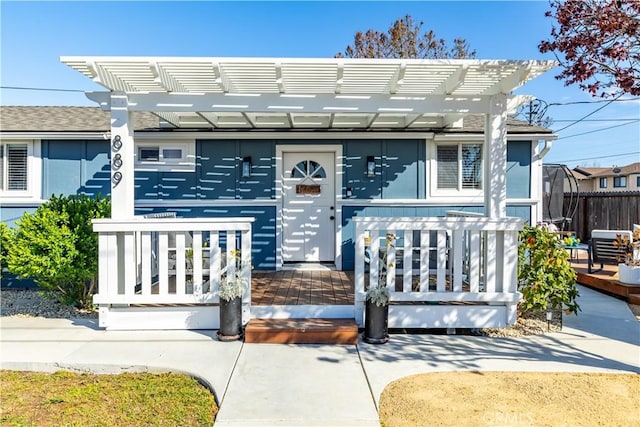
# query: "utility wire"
{"points": [[592, 102], [597, 157], [588, 115], [598, 130]]}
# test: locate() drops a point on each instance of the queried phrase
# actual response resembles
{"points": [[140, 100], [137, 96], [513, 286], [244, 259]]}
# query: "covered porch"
{"points": [[163, 273]]}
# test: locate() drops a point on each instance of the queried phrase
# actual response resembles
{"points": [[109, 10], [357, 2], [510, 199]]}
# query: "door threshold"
{"points": [[309, 266]]}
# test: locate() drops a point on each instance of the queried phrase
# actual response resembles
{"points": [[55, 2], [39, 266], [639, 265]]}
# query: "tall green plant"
{"points": [[56, 246], [545, 275], [5, 239]]}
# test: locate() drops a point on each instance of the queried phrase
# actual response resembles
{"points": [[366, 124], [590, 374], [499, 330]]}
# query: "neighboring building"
{"points": [[292, 160], [614, 178]]}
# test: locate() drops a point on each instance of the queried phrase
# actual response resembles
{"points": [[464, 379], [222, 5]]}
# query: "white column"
{"points": [[122, 150], [495, 158]]}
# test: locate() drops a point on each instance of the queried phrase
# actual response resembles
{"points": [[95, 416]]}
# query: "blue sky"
{"points": [[35, 34]]}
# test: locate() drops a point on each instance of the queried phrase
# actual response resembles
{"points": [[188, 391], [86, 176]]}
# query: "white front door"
{"points": [[308, 206]]}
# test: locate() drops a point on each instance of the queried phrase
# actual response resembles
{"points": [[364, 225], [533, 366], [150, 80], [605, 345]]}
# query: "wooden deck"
{"points": [[605, 280], [301, 287]]}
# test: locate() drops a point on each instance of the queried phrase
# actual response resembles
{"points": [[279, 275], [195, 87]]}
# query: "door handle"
{"points": [[332, 217]]}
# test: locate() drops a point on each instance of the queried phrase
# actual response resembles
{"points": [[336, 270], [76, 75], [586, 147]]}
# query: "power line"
{"points": [[590, 114], [597, 157], [41, 89], [601, 129], [592, 102], [596, 120]]}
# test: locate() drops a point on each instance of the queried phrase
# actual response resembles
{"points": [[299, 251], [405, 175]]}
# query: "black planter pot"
{"points": [[376, 324], [230, 320]]}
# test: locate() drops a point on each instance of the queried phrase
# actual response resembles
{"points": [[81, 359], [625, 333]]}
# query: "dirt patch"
{"points": [[635, 309], [511, 398]]}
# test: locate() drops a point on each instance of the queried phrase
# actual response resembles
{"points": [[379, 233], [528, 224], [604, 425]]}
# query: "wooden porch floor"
{"points": [[302, 287], [605, 280]]}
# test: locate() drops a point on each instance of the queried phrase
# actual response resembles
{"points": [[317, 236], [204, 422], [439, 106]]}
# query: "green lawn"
{"points": [[71, 399]]}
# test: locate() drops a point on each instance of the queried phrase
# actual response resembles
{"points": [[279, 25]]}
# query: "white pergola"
{"points": [[308, 94]]}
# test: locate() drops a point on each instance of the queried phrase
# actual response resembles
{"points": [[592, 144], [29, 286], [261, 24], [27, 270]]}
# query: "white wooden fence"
{"points": [[164, 273], [440, 272]]}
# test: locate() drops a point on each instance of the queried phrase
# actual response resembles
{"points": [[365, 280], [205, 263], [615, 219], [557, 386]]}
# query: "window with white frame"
{"points": [[459, 167], [14, 161], [165, 156]]}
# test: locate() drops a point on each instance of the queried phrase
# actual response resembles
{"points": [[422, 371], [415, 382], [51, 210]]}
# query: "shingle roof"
{"points": [[87, 119], [65, 119], [610, 171]]}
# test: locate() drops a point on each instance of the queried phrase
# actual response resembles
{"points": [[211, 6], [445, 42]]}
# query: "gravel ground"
{"points": [[29, 303]]}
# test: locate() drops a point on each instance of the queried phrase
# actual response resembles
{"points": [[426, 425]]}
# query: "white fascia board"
{"points": [[480, 137], [54, 135], [311, 135]]}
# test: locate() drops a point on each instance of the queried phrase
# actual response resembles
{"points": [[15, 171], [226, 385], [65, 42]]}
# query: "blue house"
{"points": [[291, 154]]}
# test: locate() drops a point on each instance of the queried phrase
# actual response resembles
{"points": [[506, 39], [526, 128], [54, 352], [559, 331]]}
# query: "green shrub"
{"points": [[545, 276], [56, 246], [5, 239]]}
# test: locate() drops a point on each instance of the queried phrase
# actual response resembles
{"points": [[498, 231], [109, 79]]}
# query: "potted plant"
{"points": [[376, 319], [628, 257], [232, 287]]}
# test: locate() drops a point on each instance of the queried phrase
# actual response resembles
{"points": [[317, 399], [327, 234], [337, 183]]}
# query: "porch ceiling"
{"points": [[306, 93]]}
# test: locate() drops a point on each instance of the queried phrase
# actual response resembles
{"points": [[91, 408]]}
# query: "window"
{"points": [[619, 181], [603, 182], [459, 167], [14, 159], [638, 181], [172, 157]]}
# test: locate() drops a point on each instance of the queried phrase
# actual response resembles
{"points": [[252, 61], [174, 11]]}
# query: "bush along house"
{"points": [[281, 164]]}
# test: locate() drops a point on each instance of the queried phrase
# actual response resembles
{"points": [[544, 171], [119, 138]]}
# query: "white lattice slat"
{"points": [[197, 262], [180, 263], [407, 262], [146, 255], [163, 262]]}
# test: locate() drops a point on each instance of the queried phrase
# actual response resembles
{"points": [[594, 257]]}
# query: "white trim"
{"points": [[302, 311], [187, 163], [33, 193], [339, 171], [480, 137], [442, 195], [186, 203], [102, 135], [280, 135]]}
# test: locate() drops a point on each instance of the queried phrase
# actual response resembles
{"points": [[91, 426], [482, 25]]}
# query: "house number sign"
{"points": [[307, 189]]}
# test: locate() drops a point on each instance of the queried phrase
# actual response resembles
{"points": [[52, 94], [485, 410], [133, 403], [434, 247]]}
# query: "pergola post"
{"points": [[122, 158], [495, 158]]}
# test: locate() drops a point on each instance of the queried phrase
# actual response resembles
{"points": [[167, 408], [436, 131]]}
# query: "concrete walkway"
{"points": [[318, 385]]}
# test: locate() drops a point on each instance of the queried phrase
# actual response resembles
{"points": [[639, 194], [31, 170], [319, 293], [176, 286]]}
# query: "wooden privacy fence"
{"points": [[604, 211]]}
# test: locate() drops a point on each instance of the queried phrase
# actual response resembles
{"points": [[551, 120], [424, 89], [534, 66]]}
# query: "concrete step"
{"points": [[302, 331]]}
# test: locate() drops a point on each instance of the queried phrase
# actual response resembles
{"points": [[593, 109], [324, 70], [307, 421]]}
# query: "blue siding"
{"points": [[402, 162], [263, 232], [217, 169], [71, 167], [260, 185], [519, 169], [400, 168], [10, 214], [362, 187]]}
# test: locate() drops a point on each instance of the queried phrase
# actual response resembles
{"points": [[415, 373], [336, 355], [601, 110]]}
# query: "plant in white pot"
{"points": [[376, 319], [629, 257], [232, 287]]}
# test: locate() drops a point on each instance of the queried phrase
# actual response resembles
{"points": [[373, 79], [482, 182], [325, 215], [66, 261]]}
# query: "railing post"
{"points": [[245, 262], [359, 260]]}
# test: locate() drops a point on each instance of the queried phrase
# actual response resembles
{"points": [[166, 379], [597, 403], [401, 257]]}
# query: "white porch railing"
{"points": [[164, 273], [441, 272]]}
